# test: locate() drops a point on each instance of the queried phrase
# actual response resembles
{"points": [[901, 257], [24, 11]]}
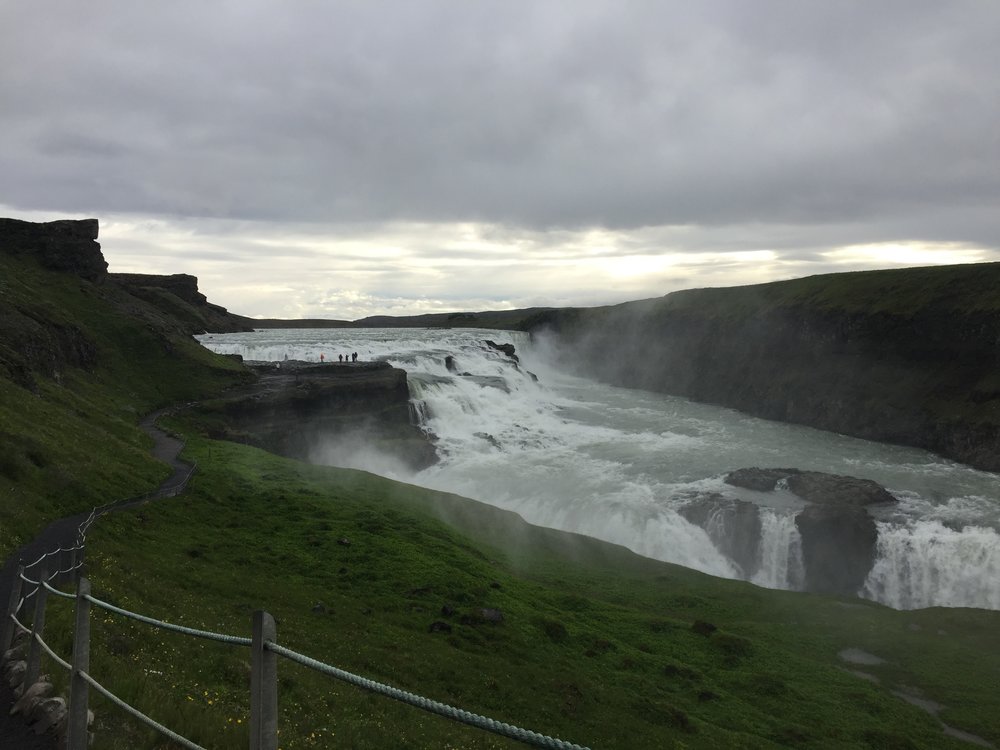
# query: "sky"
{"points": [[326, 158]]}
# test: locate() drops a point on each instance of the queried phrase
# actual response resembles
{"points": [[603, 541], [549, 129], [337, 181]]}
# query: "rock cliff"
{"points": [[297, 408], [66, 245], [908, 356], [179, 294], [838, 534]]}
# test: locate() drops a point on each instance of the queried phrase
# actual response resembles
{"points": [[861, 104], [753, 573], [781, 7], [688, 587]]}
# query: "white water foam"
{"points": [[780, 564], [612, 463], [925, 564]]}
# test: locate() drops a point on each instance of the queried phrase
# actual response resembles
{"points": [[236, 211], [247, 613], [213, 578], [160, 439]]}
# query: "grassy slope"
{"points": [[70, 442], [967, 288], [596, 644]]}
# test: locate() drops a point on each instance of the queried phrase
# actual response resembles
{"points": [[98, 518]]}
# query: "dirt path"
{"points": [[14, 734]]}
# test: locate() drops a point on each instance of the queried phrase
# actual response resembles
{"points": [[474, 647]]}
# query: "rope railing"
{"points": [[263, 645], [28, 581], [55, 657], [207, 634], [166, 732], [468, 718], [432, 706], [56, 591]]}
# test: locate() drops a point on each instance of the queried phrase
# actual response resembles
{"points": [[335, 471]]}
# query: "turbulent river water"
{"points": [[578, 455]]}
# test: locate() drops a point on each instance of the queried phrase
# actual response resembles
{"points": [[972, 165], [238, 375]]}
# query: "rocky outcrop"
{"points": [[838, 534], [66, 245], [198, 314], [182, 285], [732, 525], [907, 356], [32, 344], [813, 486], [838, 547], [295, 407], [507, 349]]}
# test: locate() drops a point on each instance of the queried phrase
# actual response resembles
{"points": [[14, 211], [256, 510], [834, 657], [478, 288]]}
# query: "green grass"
{"points": [[79, 364], [596, 645]]}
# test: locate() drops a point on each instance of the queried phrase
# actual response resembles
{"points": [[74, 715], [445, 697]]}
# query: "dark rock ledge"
{"points": [[295, 406]]}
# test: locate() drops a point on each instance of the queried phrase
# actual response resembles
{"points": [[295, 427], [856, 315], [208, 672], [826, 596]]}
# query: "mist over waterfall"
{"points": [[627, 466]]}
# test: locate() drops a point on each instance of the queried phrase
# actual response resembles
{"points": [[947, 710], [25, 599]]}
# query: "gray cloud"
{"points": [[697, 128], [554, 114]]}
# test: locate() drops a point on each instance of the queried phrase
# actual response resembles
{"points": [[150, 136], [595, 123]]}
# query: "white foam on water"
{"points": [[612, 463], [925, 564], [781, 565]]}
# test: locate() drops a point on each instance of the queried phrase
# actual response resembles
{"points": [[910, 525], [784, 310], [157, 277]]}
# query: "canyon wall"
{"points": [[907, 356]]}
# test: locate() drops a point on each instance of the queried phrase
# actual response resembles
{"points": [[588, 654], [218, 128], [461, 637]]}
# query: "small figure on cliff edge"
{"points": [[322, 357], [340, 357], [354, 357]]}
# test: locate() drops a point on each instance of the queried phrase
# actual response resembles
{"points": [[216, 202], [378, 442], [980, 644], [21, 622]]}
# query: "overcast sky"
{"points": [[339, 159]]}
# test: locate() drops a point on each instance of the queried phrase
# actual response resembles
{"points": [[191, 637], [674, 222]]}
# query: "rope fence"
{"points": [[263, 645]]}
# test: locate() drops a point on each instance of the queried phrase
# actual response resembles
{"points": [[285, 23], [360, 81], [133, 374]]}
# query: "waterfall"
{"points": [[780, 552], [618, 464], [925, 564]]}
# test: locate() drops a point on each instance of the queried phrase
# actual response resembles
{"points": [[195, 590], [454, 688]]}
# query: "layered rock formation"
{"points": [[296, 408], [66, 245], [202, 316], [909, 356], [838, 534], [39, 340], [732, 525]]}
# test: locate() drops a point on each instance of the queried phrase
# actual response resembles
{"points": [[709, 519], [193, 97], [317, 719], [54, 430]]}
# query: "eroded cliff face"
{"points": [[164, 291], [909, 356], [300, 409], [38, 338], [66, 245]]}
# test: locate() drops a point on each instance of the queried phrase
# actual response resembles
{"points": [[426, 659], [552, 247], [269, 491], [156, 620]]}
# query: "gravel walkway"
{"points": [[14, 733]]}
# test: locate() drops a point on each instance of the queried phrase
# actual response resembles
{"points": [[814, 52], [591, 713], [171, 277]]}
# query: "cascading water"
{"points": [[618, 464], [925, 563], [780, 552]]}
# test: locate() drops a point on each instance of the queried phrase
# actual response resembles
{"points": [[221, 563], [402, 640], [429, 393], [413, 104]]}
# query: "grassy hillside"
{"points": [[79, 364], [596, 645]]}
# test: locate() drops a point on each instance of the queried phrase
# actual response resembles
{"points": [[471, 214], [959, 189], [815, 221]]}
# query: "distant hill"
{"points": [[496, 319]]}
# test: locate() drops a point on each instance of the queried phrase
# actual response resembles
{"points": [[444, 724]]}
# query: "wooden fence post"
{"points": [[263, 684], [79, 689], [37, 628], [8, 630]]}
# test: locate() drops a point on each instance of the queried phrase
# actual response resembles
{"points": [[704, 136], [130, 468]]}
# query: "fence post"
{"points": [[79, 690], [7, 631], [78, 563], [263, 684], [37, 628]]}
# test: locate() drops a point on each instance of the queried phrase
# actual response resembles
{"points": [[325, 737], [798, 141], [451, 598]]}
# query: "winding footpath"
{"points": [[14, 733]]}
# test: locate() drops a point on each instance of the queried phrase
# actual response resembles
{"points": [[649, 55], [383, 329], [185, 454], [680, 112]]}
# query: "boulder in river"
{"points": [[838, 547], [732, 525], [838, 534]]}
